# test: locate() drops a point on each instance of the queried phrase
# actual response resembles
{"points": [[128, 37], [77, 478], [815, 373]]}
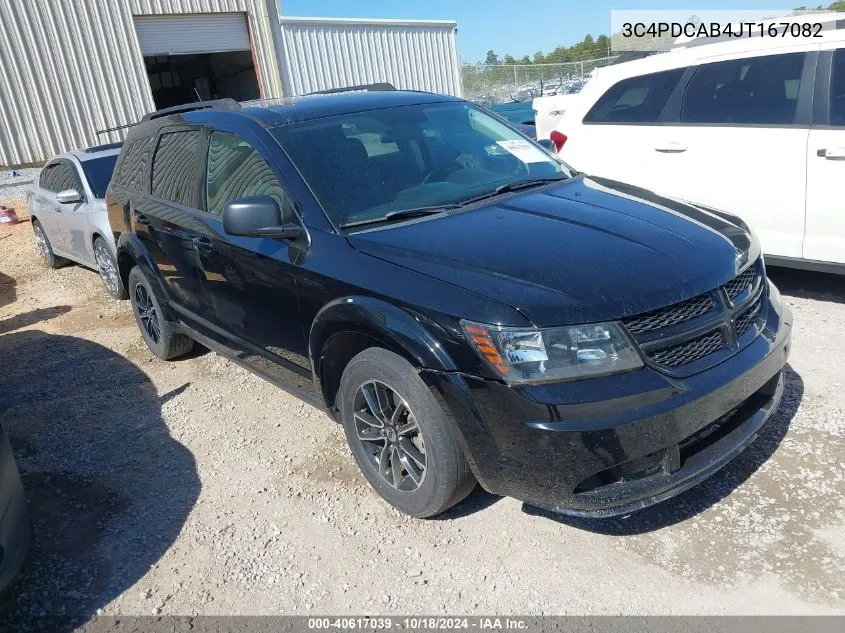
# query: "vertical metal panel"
{"points": [[319, 53], [71, 67]]}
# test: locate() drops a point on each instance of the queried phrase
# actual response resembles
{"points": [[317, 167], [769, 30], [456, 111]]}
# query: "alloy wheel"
{"points": [[41, 242], [106, 266], [390, 435], [147, 313]]}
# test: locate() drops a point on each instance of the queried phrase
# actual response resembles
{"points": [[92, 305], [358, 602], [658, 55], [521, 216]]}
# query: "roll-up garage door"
{"points": [[195, 33]]}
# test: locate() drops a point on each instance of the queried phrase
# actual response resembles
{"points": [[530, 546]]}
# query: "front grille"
{"points": [[670, 315], [739, 283], [747, 318], [689, 351]]}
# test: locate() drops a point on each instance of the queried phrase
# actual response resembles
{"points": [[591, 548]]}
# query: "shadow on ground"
{"points": [[807, 284], [108, 489], [709, 492]]}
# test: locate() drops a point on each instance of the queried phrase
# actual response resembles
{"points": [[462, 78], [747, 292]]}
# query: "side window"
{"points": [[45, 180], [59, 176], [236, 170], [174, 168], [635, 100], [837, 88], [756, 90], [134, 163]]}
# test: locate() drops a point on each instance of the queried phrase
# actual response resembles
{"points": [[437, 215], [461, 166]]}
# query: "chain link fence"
{"points": [[506, 83]]}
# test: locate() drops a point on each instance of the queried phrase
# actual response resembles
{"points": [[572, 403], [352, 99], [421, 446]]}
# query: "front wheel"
{"points": [[399, 435], [107, 267], [158, 334]]}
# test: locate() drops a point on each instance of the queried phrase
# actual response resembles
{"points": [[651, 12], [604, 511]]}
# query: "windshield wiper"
{"points": [[513, 186], [403, 214]]}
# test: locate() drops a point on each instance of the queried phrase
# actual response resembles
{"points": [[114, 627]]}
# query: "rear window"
{"points": [[636, 100], [175, 168], [98, 172], [757, 90]]}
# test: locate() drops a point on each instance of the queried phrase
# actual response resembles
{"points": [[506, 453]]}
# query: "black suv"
{"points": [[468, 307]]}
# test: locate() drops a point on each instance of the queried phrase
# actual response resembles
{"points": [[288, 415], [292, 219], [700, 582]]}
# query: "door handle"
{"points": [[142, 219], [837, 153], [671, 147], [203, 243]]}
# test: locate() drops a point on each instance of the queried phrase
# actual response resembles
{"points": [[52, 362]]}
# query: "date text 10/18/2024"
{"points": [[417, 624]]}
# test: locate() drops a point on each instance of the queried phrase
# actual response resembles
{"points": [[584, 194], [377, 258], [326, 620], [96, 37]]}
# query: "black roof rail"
{"points": [[102, 148], [223, 104], [376, 87]]}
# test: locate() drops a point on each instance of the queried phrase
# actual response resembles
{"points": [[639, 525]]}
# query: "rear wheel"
{"points": [[44, 248], [158, 334], [399, 435], [107, 267]]}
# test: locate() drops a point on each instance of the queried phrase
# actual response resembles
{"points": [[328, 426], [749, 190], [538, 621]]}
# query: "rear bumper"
{"points": [[14, 522], [613, 445]]}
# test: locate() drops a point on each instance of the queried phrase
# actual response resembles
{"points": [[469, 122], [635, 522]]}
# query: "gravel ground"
{"points": [[15, 184], [194, 487]]}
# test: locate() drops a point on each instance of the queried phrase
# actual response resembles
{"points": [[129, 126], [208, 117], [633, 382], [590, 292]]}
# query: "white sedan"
{"points": [[68, 213]]}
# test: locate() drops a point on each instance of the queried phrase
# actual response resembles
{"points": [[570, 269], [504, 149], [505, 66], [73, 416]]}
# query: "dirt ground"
{"points": [[194, 487]]}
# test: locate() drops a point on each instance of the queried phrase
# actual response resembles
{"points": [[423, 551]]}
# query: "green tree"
{"points": [[836, 6], [510, 61], [492, 58], [539, 58]]}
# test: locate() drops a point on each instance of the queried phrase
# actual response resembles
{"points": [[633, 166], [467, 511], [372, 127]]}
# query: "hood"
{"points": [[585, 250]]}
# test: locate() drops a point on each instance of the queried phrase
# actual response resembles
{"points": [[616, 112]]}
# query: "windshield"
{"points": [[363, 166], [98, 172]]}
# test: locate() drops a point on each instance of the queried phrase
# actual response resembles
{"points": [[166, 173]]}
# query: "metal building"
{"points": [[71, 68], [321, 53]]}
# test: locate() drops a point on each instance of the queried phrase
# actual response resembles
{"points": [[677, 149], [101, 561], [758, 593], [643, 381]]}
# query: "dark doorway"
{"points": [[178, 79]]}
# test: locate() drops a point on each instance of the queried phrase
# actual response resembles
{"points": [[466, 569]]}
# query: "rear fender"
{"points": [[132, 252]]}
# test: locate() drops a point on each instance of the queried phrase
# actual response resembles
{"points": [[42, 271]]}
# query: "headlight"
{"points": [[523, 355]]}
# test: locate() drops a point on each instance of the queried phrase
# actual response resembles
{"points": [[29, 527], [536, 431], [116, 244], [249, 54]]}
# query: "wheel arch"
{"points": [[348, 326], [130, 253]]}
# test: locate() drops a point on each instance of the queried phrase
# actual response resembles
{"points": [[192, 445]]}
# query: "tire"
{"points": [[425, 488], [158, 334], [45, 249], [107, 267]]}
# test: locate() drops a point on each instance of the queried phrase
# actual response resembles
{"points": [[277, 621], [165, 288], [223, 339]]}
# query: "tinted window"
{"points": [[99, 171], [635, 100], [60, 176], [362, 166], [837, 88], [236, 170], [761, 90], [174, 168], [134, 163]]}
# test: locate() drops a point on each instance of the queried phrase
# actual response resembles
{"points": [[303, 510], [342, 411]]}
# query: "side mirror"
{"points": [[257, 216], [69, 196], [548, 144]]}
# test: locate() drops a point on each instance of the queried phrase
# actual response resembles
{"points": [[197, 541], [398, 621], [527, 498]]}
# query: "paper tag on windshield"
{"points": [[524, 151]]}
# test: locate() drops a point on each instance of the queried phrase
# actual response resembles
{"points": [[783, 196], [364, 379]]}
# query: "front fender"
{"points": [[405, 332], [132, 252]]}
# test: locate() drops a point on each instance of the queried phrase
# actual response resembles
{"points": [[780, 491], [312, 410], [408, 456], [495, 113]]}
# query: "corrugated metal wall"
{"points": [[319, 53], [68, 69]]}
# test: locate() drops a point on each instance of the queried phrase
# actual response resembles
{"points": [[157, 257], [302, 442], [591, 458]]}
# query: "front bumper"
{"points": [[14, 521], [609, 446]]}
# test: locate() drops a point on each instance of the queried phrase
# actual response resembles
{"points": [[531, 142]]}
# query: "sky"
{"points": [[516, 27]]}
